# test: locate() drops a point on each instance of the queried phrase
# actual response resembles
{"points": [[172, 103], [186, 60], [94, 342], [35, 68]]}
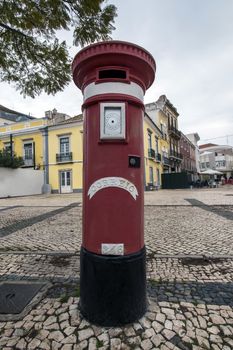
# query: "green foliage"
{"points": [[99, 343], [8, 161], [31, 56]]}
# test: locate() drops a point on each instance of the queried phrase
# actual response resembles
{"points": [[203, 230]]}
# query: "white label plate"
{"points": [[112, 249]]}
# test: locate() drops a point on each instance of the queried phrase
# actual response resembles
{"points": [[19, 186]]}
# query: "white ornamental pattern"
{"points": [[119, 182]]}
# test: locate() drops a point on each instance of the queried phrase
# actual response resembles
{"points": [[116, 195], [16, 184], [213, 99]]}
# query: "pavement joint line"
{"points": [[44, 279], [11, 207], [31, 252], [189, 205], [150, 255], [191, 256], [35, 206]]}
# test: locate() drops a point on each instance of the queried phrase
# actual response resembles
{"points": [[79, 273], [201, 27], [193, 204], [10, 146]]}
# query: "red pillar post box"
{"points": [[113, 77]]}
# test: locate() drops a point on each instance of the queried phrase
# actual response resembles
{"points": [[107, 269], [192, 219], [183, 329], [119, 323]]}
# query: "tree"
{"points": [[9, 160], [31, 56]]}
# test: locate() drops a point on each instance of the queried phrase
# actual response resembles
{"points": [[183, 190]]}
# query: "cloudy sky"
{"points": [[192, 43]]}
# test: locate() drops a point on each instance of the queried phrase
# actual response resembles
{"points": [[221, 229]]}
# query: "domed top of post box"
{"points": [[115, 61]]}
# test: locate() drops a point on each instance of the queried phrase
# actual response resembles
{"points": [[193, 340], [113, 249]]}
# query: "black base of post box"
{"points": [[112, 288]]}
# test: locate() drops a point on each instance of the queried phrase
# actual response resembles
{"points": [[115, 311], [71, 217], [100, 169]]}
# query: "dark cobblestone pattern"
{"points": [[188, 230], [10, 208], [218, 210], [20, 225], [58, 231], [15, 214]]}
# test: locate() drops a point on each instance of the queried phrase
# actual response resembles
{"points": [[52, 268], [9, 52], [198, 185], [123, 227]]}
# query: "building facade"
{"points": [[159, 118], [174, 135], [65, 156], [25, 139], [188, 153], [217, 157], [152, 154], [165, 116], [54, 144], [194, 138]]}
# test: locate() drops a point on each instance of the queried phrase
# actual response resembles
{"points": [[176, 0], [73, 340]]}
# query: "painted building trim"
{"points": [[65, 126], [20, 132]]}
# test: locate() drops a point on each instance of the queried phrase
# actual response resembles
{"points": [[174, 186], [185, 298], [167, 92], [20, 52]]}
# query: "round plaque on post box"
{"points": [[113, 77]]}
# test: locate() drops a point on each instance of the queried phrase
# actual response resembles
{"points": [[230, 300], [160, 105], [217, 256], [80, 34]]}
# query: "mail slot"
{"points": [[113, 77]]}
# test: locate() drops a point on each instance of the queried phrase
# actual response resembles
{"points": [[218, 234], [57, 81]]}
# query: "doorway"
{"points": [[65, 181]]}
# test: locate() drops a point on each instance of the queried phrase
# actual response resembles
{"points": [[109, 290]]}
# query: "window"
{"points": [[156, 145], [28, 151], [28, 154], [151, 175], [158, 177], [65, 178], [220, 163], [203, 165], [64, 145], [149, 140]]}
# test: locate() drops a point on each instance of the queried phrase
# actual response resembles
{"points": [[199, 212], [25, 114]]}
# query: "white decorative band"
{"points": [[119, 182], [112, 249], [131, 89]]}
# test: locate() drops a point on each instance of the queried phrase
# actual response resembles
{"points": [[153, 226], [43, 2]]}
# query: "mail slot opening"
{"points": [[112, 74]]}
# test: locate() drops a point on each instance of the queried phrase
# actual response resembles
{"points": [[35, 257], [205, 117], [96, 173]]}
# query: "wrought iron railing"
{"points": [[174, 154], [166, 160], [151, 153], [174, 131], [64, 157], [158, 157]]}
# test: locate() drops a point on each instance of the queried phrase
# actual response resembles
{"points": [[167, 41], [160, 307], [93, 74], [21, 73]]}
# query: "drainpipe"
{"points": [[11, 145], [34, 155], [46, 188]]}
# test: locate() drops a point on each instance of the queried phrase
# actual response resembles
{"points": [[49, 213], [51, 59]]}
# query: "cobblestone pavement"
{"points": [[189, 273], [194, 228]]}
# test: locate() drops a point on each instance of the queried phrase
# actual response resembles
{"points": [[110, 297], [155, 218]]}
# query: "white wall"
{"points": [[20, 182]]}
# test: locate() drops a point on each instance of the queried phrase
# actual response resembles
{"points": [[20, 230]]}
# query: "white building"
{"points": [[217, 157]]}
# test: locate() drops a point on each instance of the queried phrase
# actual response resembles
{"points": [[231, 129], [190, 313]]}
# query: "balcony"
{"points": [[151, 153], [64, 157], [174, 154], [174, 132], [166, 161], [158, 157]]}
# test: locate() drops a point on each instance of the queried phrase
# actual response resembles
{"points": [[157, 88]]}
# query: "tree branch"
{"points": [[5, 26]]}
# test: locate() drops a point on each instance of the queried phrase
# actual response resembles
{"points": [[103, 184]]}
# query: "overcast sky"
{"points": [[192, 43]]}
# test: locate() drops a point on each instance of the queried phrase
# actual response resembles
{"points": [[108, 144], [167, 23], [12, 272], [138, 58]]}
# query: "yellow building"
{"points": [[26, 140], [52, 144], [55, 145], [65, 156], [160, 119], [152, 154]]}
